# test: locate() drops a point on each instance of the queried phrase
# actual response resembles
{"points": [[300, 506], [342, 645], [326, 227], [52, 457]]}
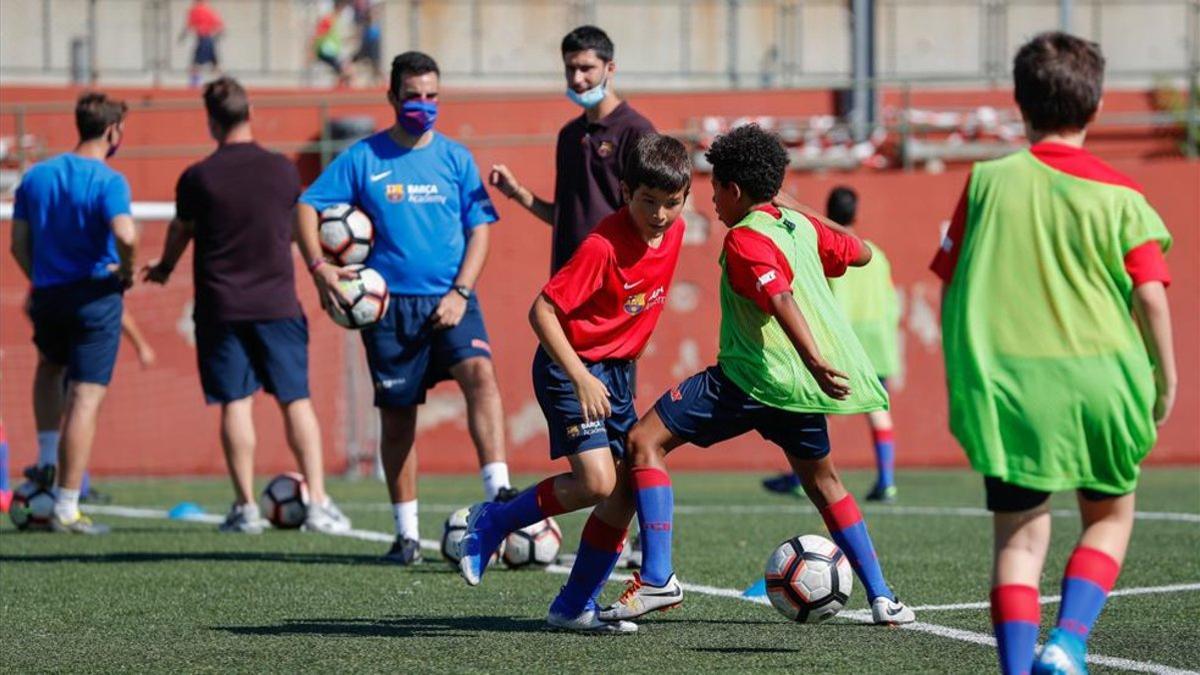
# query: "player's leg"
{"points": [[883, 439], [465, 352], [1021, 534], [804, 438], [1091, 572], [48, 401], [398, 429], [238, 441], [81, 412]]}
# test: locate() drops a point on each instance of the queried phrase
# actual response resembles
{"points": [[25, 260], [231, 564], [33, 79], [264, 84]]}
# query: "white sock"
{"points": [[66, 503], [495, 476], [48, 447], [405, 516]]}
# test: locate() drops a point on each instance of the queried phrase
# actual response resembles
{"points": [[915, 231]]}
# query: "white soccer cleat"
{"points": [[640, 598], [891, 612], [590, 622], [327, 518], [242, 519]]}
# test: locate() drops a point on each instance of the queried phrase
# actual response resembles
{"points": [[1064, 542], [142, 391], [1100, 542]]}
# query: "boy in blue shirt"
{"points": [[432, 215], [74, 238]]}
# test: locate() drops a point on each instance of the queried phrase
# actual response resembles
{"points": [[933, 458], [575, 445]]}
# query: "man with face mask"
{"points": [[74, 238], [432, 221], [591, 148]]}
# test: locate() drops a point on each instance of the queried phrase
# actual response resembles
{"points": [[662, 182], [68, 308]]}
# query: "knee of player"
{"points": [[642, 450], [477, 376], [597, 487]]}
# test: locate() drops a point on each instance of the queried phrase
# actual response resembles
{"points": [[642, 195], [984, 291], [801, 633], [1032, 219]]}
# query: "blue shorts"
{"points": [[206, 51], [78, 325], [407, 356], [708, 408], [569, 434], [237, 358]]}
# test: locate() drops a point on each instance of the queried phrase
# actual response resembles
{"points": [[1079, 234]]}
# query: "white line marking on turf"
{"points": [[861, 616]]}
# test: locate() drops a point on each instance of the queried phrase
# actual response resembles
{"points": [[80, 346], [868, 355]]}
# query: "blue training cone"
{"points": [[185, 511], [757, 590]]}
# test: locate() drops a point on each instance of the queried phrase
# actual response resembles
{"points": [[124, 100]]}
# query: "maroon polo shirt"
{"points": [[587, 183]]}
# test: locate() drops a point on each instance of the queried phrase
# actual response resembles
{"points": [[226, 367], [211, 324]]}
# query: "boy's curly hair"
{"points": [[751, 157]]}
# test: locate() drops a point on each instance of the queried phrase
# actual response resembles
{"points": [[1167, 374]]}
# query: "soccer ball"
{"points": [[284, 502], [808, 579], [535, 545], [32, 507], [453, 532], [368, 295], [346, 234]]}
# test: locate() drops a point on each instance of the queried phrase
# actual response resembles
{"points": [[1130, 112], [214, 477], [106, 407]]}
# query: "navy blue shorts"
{"points": [[78, 325], [407, 356], [569, 434], [237, 358], [206, 51], [708, 408]]}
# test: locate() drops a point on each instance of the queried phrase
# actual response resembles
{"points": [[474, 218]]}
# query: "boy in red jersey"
{"points": [[593, 319], [1057, 340]]}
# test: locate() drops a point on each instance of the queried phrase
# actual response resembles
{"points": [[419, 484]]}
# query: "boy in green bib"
{"points": [[1057, 341], [787, 358]]}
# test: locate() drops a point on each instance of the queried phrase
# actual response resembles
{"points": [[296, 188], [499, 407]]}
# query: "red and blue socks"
{"points": [[849, 532], [599, 548], [531, 506], [1090, 576], [655, 507], [1016, 613], [885, 457]]}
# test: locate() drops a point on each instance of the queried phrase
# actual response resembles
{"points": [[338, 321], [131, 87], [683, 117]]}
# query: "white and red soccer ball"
{"points": [[284, 501], [536, 545], [366, 299], [808, 579], [346, 234], [32, 507]]}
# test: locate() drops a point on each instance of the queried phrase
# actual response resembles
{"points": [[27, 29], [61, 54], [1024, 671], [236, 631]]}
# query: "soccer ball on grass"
{"points": [[808, 579], [535, 545], [284, 501], [32, 507]]}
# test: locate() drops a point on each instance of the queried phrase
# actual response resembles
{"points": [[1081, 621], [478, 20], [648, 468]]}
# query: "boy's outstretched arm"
{"points": [[1153, 316], [833, 382], [591, 392]]}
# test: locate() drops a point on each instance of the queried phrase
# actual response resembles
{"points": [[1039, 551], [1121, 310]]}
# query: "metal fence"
{"points": [[661, 43]]}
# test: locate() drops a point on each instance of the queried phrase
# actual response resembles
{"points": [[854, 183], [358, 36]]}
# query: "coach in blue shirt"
{"points": [[74, 238], [432, 220]]}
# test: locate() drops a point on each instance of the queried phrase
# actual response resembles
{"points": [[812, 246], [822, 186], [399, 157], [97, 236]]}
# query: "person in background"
{"points": [[204, 21], [327, 44], [370, 41]]}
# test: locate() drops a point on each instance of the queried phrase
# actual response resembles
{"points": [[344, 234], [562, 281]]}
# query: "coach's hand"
{"points": [[593, 397], [123, 273], [833, 382], [503, 180], [326, 277], [156, 273], [449, 311]]}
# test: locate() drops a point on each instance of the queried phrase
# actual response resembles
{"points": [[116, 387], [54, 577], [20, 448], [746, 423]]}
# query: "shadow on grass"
{"points": [[745, 650], [197, 556], [392, 627]]}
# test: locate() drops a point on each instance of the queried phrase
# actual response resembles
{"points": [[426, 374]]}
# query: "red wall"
{"points": [[155, 420]]}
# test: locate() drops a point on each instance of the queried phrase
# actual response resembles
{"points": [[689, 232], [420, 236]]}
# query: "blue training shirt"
{"points": [[424, 203], [69, 202]]}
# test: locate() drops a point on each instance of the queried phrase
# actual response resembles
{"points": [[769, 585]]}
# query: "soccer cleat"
{"points": [[327, 518], [589, 622], [640, 598], [474, 558], [403, 552], [80, 524], [1064, 654], [506, 494], [887, 612], [242, 519], [886, 495], [41, 475], [784, 484]]}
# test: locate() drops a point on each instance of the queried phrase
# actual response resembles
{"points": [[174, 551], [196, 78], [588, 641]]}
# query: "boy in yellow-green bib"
{"points": [[1057, 341], [787, 358]]}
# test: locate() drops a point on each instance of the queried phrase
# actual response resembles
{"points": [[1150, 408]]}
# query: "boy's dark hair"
{"points": [[95, 112], [411, 63], [658, 162], [226, 102], [751, 157], [588, 37], [1058, 80], [842, 205]]}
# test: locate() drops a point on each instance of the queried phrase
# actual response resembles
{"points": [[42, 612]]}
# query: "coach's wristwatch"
{"points": [[464, 291]]}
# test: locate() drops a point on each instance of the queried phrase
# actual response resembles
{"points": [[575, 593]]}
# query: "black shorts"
{"points": [[1008, 498]]}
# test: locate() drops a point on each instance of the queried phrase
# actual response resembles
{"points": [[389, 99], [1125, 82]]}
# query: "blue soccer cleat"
{"points": [[1064, 654], [478, 544], [784, 484]]}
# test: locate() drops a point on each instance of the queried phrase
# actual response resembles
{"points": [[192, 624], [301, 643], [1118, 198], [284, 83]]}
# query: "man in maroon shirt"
{"points": [[591, 148], [251, 333]]}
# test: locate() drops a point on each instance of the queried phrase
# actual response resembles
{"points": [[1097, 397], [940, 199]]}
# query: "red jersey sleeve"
{"points": [[1146, 263], [756, 268], [581, 277], [837, 250], [946, 258]]}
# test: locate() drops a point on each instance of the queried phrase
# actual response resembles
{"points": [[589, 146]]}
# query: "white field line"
{"points": [[766, 509], [860, 616]]}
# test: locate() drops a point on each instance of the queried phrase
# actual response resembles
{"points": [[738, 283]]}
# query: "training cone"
{"points": [[185, 511], [757, 590]]}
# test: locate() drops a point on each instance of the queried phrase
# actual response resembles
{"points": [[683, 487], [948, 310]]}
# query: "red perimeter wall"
{"points": [[155, 422]]}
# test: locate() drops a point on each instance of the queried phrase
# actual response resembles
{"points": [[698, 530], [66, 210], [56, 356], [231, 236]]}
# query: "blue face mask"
{"points": [[590, 98], [417, 117]]}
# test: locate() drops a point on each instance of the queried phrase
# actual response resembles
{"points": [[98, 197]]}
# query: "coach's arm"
{"points": [[324, 273]]}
